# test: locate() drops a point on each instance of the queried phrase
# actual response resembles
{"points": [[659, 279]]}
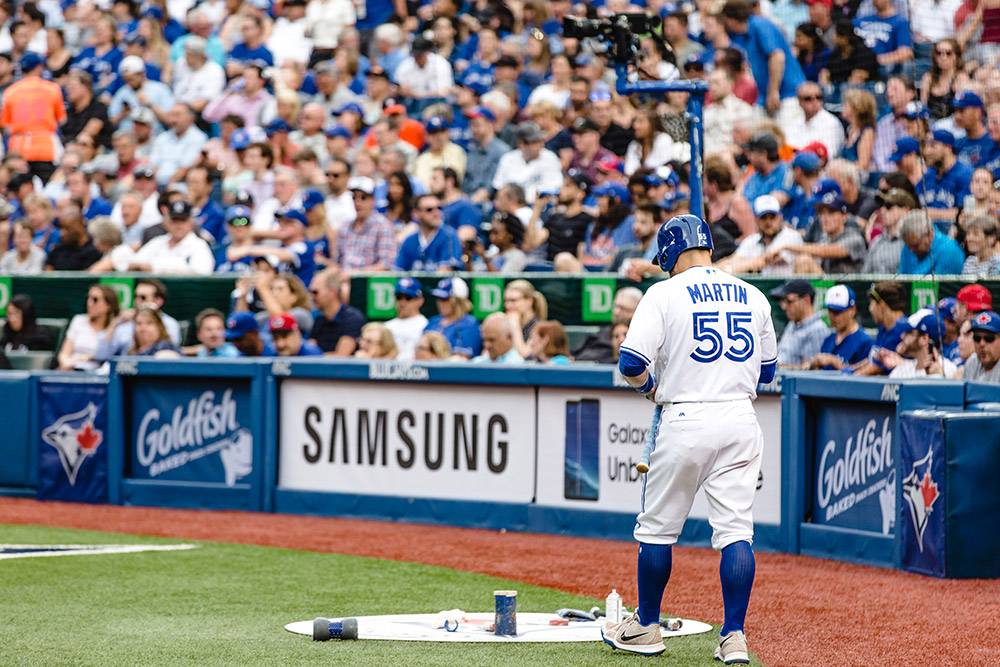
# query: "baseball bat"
{"points": [[643, 465], [324, 629]]}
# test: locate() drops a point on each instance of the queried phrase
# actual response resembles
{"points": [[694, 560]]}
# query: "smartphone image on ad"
{"points": [[583, 462]]}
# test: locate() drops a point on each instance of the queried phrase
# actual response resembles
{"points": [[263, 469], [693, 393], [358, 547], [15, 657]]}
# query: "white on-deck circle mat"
{"points": [[530, 628]]}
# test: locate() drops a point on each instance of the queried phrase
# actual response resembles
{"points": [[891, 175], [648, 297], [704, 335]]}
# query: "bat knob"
{"points": [[642, 467]]}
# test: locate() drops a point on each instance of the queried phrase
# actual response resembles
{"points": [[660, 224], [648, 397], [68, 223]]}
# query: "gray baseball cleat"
{"points": [[732, 649], [631, 635]]}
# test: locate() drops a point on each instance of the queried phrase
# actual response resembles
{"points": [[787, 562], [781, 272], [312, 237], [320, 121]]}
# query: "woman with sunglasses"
{"points": [[937, 86], [86, 329]]}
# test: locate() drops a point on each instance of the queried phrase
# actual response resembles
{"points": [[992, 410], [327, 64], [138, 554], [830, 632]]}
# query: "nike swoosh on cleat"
{"points": [[628, 638]]}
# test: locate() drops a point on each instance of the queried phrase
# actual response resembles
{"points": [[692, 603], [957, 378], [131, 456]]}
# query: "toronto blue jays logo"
{"points": [[75, 438], [920, 493]]}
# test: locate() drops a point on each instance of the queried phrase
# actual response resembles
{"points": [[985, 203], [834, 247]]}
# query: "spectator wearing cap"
{"points": [[238, 237], [976, 145], [507, 70], [85, 114], [143, 123], [919, 352], [434, 246], [180, 251], [458, 211], [386, 137], [752, 255], [376, 91], [144, 185], [454, 320], [770, 175], [179, 148], [928, 250], [587, 149], [972, 300], [946, 181], [840, 249], [369, 241], [441, 152], [775, 69], [806, 167], [805, 332], [610, 230], [848, 345], [723, 112], [530, 165], [286, 339], [243, 332], [75, 251], [887, 34], [246, 96], [209, 216], [31, 112], [338, 326], [565, 228], [907, 158], [319, 235], [197, 79], [409, 324], [982, 245], [982, 365], [138, 92], [948, 309], [251, 47], [483, 154], [885, 250], [424, 75]]}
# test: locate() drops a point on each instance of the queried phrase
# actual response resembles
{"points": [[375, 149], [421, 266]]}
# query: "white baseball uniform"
{"points": [[705, 334]]}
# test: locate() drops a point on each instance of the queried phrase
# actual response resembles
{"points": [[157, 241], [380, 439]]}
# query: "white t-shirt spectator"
{"points": [[327, 19], [288, 41], [206, 83], [407, 334], [85, 340], [435, 78], [544, 173], [662, 153], [340, 210], [191, 256]]}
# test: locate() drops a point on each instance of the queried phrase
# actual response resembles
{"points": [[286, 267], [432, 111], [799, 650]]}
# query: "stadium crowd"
{"points": [[294, 143]]}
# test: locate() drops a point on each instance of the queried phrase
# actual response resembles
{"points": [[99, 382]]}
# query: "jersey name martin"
{"points": [[705, 292]]}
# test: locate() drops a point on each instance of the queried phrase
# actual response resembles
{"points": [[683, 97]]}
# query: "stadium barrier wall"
{"points": [[511, 447]]}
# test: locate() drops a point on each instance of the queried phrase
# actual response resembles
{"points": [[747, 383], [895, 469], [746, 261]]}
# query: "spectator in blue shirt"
{"points": [[848, 344], [434, 246], [927, 250], [287, 339], [210, 325], [887, 34], [888, 302], [768, 53], [454, 322], [976, 146], [458, 211], [946, 182]]}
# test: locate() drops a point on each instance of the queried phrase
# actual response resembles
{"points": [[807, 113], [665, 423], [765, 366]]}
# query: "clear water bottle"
{"points": [[613, 607]]}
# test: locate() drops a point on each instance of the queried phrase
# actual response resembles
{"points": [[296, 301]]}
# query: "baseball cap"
{"points": [[600, 96], [180, 210], [928, 321], [832, 200], [243, 198], [421, 45], [153, 12], [610, 163], [824, 186], [282, 322], [277, 125], [144, 115], [293, 213], [799, 287], [241, 323], [450, 287], [350, 107], [828, 3], [131, 65], [904, 146], [144, 172], [614, 189], [480, 111], [766, 204], [967, 99], [394, 109], [916, 109], [361, 184], [311, 199], [506, 61], [807, 161], [436, 124], [819, 148], [338, 131], [239, 139], [986, 321], [30, 61], [581, 178], [529, 132], [896, 197], [943, 137], [762, 141], [134, 39], [583, 124], [947, 307], [238, 215], [839, 298], [975, 297], [409, 287], [377, 72]]}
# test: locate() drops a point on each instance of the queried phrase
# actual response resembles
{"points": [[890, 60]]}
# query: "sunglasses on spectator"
{"points": [[944, 52], [811, 98], [362, 195], [404, 297], [335, 174], [428, 209], [984, 338]]}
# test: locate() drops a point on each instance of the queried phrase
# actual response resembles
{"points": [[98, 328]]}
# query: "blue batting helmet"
{"points": [[680, 233]]}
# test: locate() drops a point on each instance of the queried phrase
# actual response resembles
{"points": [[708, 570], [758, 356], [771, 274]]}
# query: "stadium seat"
{"points": [[57, 326], [185, 330], [578, 333], [30, 361]]}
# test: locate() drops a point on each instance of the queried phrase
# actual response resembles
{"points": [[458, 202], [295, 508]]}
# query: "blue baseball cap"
{"points": [[839, 298], [807, 161], [293, 213], [436, 124], [947, 307], [134, 38], [277, 125], [338, 131], [409, 287], [311, 199], [450, 287], [238, 215], [352, 107], [928, 321], [31, 60], [967, 99], [239, 324], [153, 12], [239, 139], [904, 146], [986, 321], [943, 137], [917, 109], [824, 186], [473, 83], [613, 189], [831, 200], [481, 112]]}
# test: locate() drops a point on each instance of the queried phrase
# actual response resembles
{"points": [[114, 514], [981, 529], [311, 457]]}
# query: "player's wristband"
{"points": [[647, 386]]}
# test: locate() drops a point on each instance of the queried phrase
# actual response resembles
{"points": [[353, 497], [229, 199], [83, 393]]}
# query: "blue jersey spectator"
{"points": [[848, 344], [459, 328], [886, 33], [434, 246], [946, 182]]}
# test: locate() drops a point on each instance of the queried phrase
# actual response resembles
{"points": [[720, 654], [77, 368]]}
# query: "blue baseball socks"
{"points": [[654, 572], [736, 570]]}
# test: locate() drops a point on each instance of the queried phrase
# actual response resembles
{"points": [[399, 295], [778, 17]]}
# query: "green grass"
{"points": [[227, 604]]}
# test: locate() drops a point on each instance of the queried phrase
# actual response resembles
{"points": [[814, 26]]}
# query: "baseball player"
{"points": [[698, 345]]}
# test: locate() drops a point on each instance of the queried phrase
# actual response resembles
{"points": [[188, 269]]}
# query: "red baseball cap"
{"points": [[828, 3], [975, 297], [283, 322], [394, 109], [819, 148]]}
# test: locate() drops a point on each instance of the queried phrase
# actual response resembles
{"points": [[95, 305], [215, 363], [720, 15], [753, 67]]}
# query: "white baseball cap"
{"points": [[361, 183], [131, 65], [839, 298], [766, 204]]}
